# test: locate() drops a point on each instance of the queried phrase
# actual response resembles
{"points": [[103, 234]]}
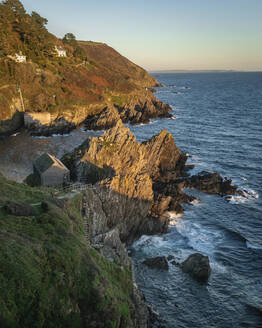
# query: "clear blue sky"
{"points": [[165, 34]]}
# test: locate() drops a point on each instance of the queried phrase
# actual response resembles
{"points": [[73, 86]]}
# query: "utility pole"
{"points": [[21, 96]]}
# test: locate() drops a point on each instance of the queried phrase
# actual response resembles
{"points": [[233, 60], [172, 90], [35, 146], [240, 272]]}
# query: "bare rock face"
{"points": [[197, 265], [139, 107], [106, 119], [143, 173], [142, 107]]}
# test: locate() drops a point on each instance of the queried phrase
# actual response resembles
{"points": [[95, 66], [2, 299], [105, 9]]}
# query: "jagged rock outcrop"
{"points": [[106, 119], [142, 172], [139, 108], [212, 183], [142, 107]]}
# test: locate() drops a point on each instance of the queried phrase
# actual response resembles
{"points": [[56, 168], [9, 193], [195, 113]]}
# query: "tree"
{"points": [[16, 6], [38, 19], [70, 39]]}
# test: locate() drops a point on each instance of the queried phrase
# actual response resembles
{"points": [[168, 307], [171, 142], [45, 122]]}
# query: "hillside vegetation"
{"points": [[92, 74], [49, 275]]}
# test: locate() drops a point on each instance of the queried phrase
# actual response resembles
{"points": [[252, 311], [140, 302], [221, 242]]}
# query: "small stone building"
{"points": [[50, 171]]}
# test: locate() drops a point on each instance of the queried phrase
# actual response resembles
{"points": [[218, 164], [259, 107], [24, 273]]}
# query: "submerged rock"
{"points": [[197, 265], [159, 262]]}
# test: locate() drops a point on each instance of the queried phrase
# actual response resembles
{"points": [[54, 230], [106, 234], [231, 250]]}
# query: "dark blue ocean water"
{"points": [[219, 124]]}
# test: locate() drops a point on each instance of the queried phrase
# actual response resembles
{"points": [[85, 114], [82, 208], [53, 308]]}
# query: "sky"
{"points": [[165, 34]]}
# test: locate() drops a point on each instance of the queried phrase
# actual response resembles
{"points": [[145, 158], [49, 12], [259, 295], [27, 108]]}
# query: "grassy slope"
{"points": [[49, 276]]}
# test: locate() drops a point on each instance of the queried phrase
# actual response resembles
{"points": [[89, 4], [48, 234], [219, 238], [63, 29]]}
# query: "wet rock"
{"points": [[159, 262], [197, 265], [18, 209], [170, 257], [211, 183], [175, 263]]}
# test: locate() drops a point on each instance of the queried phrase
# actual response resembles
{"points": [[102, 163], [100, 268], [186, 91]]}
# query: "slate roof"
{"points": [[45, 161]]}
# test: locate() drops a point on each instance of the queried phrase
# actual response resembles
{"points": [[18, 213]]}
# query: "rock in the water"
{"points": [[159, 262], [197, 265], [211, 183], [18, 209]]}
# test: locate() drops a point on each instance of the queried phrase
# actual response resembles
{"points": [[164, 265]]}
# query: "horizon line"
{"points": [[202, 71]]}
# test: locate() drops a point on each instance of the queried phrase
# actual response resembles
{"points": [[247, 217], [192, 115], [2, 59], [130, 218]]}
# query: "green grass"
{"points": [[49, 275]]}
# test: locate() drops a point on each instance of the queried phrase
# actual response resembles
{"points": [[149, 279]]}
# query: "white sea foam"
{"points": [[196, 202], [150, 241], [247, 195], [199, 238], [236, 200], [52, 136], [250, 245]]}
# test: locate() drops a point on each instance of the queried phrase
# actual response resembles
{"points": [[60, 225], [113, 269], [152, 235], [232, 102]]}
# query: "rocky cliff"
{"points": [[145, 173], [85, 87], [145, 180], [62, 262]]}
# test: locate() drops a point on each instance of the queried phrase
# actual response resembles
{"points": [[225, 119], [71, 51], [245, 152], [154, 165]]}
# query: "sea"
{"points": [[218, 123]]}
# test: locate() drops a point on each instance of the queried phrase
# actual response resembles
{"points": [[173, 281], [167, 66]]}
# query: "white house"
{"points": [[60, 51], [19, 58]]}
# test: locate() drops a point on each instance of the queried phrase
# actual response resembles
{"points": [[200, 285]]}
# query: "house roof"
{"points": [[45, 161], [60, 48]]}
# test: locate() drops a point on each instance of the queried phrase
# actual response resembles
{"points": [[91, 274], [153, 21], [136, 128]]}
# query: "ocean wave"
{"points": [[246, 195], [196, 202], [236, 200], [235, 234], [199, 238], [150, 241], [52, 136], [250, 245]]}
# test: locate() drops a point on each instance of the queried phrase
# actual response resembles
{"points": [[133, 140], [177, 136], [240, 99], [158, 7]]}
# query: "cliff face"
{"points": [[74, 89], [145, 173]]}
